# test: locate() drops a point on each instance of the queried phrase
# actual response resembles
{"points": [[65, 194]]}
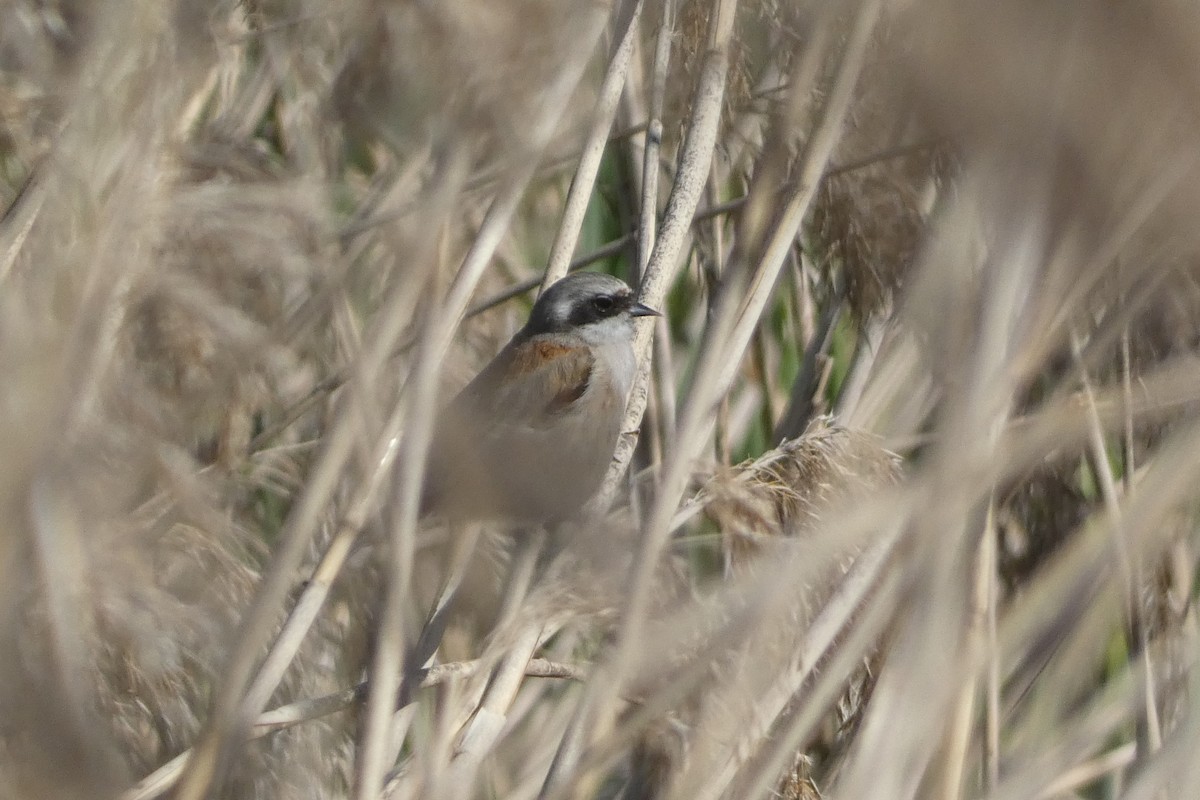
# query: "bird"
{"points": [[530, 438]]}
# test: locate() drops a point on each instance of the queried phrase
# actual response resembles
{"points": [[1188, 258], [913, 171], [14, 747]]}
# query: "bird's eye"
{"points": [[603, 304]]}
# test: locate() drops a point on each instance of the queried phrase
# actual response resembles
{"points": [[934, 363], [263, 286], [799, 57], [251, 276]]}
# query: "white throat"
{"points": [[612, 338], [607, 331]]}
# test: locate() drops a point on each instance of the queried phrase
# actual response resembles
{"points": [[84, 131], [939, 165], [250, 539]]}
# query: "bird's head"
{"points": [[586, 302]]}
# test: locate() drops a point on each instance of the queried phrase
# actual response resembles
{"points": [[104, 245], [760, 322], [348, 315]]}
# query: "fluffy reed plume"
{"points": [[791, 488], [248, 249]]}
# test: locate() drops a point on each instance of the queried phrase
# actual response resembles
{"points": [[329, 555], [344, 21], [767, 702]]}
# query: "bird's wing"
{"points": [[530, 382]]}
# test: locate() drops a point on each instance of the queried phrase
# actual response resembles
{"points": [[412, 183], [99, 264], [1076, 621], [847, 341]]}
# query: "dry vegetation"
{"points": [[931, 269]]}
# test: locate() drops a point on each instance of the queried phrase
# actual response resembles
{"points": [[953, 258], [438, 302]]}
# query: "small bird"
{"points": [[530, 438]]}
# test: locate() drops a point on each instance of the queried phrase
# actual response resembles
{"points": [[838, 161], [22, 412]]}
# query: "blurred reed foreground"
{"points": [[908, 503]]}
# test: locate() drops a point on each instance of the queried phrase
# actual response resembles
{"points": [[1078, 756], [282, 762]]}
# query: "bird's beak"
{"points": [[640, 310]]}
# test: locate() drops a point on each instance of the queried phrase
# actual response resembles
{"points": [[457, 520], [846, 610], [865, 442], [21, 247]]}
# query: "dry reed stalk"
{"points": [[694, 160], [583, 183]]}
